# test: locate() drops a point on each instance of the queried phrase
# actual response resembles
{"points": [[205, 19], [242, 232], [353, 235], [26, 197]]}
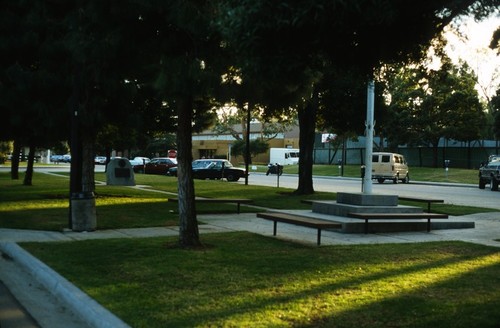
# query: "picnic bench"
{"points": [[398, 216], [300, 221], [236, 201], [429, 201]]}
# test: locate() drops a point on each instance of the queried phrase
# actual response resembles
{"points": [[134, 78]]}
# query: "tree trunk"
{"points": [[307, 126], [14, 165], [88, 176], [188, 224], [107, 153], [435, 154], [28, 177]]}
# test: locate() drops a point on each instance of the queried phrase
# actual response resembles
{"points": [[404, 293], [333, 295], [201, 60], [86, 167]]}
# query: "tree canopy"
{"points": [[153, 65], [292, 44]]}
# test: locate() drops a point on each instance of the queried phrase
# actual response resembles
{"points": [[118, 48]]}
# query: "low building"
{"points": [[209, 144]]}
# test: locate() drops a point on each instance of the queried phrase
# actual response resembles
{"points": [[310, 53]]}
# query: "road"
{"points": [[458, 194]]}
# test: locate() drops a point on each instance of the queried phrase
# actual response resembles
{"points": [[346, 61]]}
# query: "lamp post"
{"points": [[367, 177]]}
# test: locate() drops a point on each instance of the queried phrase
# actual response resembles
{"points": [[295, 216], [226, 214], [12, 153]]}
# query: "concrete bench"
{"points": [[429, 201], [398, 216], [300, 221], [237, 201]]}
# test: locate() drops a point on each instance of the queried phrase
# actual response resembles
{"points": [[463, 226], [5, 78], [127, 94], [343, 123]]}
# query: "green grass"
{"points": [[45, 205], [246, 280], [453, 175]]}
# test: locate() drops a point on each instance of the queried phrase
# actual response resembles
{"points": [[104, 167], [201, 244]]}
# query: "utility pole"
{"points": [[367, 178]]}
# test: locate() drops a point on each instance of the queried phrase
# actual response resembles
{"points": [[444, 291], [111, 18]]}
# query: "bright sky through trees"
{"points": [[470, 42]]}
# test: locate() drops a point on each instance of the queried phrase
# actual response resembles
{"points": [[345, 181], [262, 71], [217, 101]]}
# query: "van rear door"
{"points": [[381, 165]]}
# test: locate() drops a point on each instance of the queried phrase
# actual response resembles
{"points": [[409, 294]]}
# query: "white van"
{"points": [[389, 166]]}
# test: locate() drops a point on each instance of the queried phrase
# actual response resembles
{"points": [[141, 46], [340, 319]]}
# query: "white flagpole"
{"points": [[367, 179]]}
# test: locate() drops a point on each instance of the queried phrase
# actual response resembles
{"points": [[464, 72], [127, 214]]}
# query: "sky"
{"points": [[472, 45]]}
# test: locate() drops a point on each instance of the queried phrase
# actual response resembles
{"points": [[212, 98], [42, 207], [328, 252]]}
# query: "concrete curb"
{"points": [[74, 299]]}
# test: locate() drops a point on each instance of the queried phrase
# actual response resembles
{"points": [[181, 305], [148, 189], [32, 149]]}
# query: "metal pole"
{"points": [[247, 143], [367, 180]]}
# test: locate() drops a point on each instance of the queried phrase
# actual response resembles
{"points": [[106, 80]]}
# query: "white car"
{"points": [[139, 161], [100, 160]]}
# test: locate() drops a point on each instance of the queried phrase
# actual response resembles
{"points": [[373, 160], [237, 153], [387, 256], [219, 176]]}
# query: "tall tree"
{"points": [[190, 61], [284, 38], [32, 83], [427, 105]]}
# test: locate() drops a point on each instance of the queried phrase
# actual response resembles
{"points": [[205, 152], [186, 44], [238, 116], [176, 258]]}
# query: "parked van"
{"points": [[389, 166]]}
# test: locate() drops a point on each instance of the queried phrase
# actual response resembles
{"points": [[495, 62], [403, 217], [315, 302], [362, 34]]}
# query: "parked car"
{"points": [[214, 169], [139, 161], [490, 174], [389, 166], [100, 160], [56, 158], [66, 158], [159, 165]]}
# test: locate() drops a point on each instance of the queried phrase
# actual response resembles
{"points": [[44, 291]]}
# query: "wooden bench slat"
{"points": [[299, 220], [237, 201], [423, 200], [398, 216], [216, 200]]}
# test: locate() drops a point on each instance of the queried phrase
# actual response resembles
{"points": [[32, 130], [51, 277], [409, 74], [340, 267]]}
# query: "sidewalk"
{"points": [[53, 302]]}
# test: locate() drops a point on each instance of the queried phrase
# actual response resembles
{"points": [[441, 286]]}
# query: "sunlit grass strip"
{"points": [[352, 291], [30, 205], [123, 200], [245, 280], [64, 203]]}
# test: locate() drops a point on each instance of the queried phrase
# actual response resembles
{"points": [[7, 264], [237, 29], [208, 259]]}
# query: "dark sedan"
{"points": [[214, 169], [159, 165]]}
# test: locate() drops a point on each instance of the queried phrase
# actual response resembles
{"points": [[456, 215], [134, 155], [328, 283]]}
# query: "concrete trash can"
{"points": [[83, 213]]}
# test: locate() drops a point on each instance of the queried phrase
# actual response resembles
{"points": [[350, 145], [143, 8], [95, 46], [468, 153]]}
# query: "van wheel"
{"points": [[406, 179], [380, 180], [396, 179], [482, 184], [493, 184]]}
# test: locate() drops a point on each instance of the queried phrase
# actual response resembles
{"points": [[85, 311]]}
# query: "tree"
{"points": [[289, 39], [32, 83], [257, 146], [228, 120], [190, 56], [426, 105]]}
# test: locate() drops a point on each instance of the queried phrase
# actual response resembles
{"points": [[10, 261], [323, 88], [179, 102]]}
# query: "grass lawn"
{"points": [[453, 175], [247, 280], [45, 205]]}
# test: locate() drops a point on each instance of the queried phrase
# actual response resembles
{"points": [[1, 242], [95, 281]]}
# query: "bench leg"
{"points": [[319, 237], [366, 226], [274, 227], [428, 224], [238, 208]]}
